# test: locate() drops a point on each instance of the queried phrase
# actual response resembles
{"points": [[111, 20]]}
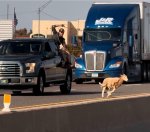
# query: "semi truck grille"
{"points": [[8, 70], [95, 60]]}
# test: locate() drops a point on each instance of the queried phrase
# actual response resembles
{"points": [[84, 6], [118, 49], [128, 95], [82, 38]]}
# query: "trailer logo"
{"points": [[104, 21]]}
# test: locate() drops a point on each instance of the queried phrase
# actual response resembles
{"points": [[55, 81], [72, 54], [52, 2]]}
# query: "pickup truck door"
{"points": [[49, 63]]}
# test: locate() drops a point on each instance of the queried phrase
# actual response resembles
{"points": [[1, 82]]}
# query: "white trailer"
{"points": [[6, 29]]}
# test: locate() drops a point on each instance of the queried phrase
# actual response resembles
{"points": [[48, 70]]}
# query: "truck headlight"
{"points": [[116, 65], [77, 65], [30, 67]]}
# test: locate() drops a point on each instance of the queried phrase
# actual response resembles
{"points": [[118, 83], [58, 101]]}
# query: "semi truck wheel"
{"points": [[145, 71], [79, 81], [66, 87]]}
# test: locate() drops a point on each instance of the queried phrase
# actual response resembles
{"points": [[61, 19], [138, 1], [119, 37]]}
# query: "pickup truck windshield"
{"points": [[20, 48], [113, 34]]}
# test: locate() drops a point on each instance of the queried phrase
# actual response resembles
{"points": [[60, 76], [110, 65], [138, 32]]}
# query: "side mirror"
{"points": [[116, 44]]}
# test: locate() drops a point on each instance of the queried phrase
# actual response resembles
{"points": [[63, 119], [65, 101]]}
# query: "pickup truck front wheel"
{"points": [[39, 89], [66, 87]]}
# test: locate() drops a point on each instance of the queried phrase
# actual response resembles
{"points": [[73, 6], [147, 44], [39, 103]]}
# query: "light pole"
{"points": [[39, 13], [39, 23]]}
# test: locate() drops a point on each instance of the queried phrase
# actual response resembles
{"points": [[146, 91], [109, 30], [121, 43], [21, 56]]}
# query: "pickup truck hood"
{"points": [[100, 46], [22, 58]]}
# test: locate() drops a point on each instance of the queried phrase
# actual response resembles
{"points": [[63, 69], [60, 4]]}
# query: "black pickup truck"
{"points": [[33, 63]]}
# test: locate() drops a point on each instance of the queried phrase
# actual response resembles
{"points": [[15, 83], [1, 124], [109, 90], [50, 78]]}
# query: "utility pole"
{"points": [[39, 23], [78, 29], [7, 11], [39, 13]]}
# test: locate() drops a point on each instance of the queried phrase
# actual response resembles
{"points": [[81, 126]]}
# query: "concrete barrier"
{"points": [[127, 115]]}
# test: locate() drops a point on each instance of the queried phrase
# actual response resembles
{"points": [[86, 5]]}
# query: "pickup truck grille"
{"points": [[95, 60], [9, 70]]}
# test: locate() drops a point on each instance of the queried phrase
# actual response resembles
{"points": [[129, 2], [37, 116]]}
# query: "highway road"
{"points": [[88, 90]]}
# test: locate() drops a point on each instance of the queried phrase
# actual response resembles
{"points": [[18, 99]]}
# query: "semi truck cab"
{"points": [[114, 42]]}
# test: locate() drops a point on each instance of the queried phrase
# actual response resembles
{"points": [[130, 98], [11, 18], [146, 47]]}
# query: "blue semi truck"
{"points": [[116, 40]]}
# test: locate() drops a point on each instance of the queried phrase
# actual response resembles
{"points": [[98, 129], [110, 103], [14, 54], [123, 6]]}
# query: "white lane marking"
{"points": [[57, 90], [127, 85]]}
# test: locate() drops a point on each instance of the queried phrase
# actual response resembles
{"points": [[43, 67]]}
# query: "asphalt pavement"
{"points": [[88, 90]]}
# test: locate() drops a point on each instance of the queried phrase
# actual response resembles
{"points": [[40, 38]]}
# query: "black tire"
{"points": [[97, 81], [39, 89], [145, 70], [79, 81], [124, 70], [16, 92], [66, 87]]}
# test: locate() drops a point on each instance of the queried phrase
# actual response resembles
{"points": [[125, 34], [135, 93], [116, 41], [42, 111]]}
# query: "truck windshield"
{"points": [[113, 34], [20, 48]]}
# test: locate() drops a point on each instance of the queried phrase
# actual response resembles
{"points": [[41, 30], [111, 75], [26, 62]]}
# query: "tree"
{"points": [[23, 32], [74, 50]]}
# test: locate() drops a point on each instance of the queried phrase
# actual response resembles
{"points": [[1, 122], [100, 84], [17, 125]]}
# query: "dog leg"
{"points": [[110, 92], [103, 90]]}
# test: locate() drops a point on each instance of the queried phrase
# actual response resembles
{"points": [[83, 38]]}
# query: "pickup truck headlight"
{"points": [[30, 67], [77, 65], [116, 65]]}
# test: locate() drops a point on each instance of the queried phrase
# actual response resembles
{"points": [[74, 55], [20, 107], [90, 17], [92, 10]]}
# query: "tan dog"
{"points": [[111, 84]]}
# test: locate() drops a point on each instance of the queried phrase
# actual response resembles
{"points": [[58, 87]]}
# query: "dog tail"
{"points": [[100, 83]]}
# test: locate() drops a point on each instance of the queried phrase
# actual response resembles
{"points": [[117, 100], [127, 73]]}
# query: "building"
{"points": [[42, 28]]}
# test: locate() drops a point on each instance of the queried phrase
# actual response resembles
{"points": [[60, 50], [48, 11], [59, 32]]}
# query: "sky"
{"points": [[27, 10]]}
